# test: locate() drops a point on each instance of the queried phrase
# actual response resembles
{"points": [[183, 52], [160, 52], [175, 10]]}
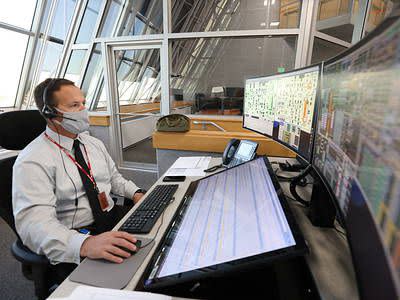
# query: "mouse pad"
{"points": [[102, 273]]}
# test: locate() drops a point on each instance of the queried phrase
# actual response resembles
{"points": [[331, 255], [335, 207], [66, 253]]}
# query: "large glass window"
{"points": [[75, 65], [89, 21], [144, 17], [211, 72], [378, 11], [138, 77], [46, 66], [62, 18], [336, 18], [12, 52], [17, 12], [324, 50], [216, 15], [111, 18], [93, 83]]}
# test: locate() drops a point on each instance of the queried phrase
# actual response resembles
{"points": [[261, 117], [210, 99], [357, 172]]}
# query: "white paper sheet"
{"points": [[94, 293], [189, 166]]}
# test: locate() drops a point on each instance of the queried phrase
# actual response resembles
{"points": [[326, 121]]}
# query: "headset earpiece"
{"points": [[47, 111]]}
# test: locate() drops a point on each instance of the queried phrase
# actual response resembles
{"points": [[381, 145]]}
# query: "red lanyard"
{"points": [[90, 175]]}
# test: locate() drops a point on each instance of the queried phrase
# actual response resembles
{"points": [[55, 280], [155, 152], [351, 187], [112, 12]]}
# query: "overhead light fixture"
{"points": [[274, 24], [273, 2], [266, 2], [263, 24]]}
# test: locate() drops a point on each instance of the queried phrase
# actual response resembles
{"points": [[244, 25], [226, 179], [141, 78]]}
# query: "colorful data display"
{"points": [[358, 135], [232, 215], [282, 106]]}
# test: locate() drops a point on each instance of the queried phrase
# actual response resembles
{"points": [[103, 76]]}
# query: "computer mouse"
{"points": [[138, 244]]}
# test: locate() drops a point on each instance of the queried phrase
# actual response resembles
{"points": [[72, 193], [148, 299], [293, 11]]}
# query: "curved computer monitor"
{"points": [[283, 107], [357, 153]]}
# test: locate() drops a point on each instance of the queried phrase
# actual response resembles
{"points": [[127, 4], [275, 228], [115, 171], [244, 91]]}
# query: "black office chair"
{"points": [[18, 129]]}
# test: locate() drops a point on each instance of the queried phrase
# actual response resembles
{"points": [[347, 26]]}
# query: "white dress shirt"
{"points": [[44, 195]]}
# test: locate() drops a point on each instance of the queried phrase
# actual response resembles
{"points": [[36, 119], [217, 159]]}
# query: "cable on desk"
{"points": [[303, 182], [159, 226]]}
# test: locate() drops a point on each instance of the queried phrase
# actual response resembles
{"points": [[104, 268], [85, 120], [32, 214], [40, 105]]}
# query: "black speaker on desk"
{"points": [[321, 207], [322, 211]]}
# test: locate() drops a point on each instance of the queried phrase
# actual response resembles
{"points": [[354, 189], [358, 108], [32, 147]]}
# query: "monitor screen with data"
{"points": [[227, 217], [357, 153], [283, 107]]}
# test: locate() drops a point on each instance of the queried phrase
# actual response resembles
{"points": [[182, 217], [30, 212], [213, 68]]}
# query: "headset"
{"points": [[47, 111]]}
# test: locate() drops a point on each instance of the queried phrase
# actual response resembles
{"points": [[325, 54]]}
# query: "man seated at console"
{"points": [[61, 186]]}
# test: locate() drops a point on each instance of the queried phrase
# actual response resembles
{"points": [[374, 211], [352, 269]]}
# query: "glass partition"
{"points": [[217, 15], [324, 50], [210, 72]]}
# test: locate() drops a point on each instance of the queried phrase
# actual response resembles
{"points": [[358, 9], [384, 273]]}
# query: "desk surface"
{"points": [[329, 259]]}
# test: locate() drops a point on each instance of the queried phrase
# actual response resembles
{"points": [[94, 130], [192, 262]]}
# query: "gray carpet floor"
{"points": [[13, 284], [141, 152]]}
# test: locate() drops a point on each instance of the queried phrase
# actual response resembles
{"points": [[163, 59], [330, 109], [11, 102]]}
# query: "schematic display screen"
{"points": [[231, 215], [283, 107]]}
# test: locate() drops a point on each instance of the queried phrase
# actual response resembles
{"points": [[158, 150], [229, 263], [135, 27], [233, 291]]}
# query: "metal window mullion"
{"points": [[30, 54], [112, 96], [80, 46], [332, 39], [99, 22], [361, 20], [115, 27], [165, 61], [175, 11], [16, 29], [300, 39], [141, 73], [313, 34], [234, 33], [124, 14], [189, 17], [71, 37], [52, 10], [150, 14]]}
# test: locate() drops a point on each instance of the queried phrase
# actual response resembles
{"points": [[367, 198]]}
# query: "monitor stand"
{"points": [[321, 207], [295, 167]]}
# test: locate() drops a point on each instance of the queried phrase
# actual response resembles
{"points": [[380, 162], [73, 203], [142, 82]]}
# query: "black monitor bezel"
{"points": [[314, 122], [242, 264]]}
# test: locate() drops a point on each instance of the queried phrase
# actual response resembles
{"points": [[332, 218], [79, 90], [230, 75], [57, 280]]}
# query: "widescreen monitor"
{"points": [[357, 153], [283, 107], [228, 221]]}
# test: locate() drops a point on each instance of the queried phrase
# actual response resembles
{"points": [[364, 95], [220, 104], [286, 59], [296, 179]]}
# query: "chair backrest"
{"points": [[6, 210], [17, 130]]}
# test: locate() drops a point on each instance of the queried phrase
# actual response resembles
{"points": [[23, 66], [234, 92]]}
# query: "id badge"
{"points": [[103, 201]]}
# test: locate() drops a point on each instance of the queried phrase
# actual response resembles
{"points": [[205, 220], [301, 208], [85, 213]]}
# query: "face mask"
{"points": [[77, 122]]}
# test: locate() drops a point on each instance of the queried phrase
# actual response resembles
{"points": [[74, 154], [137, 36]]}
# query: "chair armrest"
{"points": [[26, 256]]}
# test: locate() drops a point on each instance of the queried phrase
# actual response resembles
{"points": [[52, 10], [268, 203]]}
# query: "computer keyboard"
{"points": [[145, 216]]}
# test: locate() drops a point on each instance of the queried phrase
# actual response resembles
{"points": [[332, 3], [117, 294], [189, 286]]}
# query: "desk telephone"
{"points": [[236, 152]]}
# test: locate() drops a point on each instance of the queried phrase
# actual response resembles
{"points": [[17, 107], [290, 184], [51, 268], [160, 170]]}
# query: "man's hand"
{"points": [[136, 197], [107, 245]]}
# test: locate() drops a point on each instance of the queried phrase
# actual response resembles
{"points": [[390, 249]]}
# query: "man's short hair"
{"points": [[53, 84]]}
